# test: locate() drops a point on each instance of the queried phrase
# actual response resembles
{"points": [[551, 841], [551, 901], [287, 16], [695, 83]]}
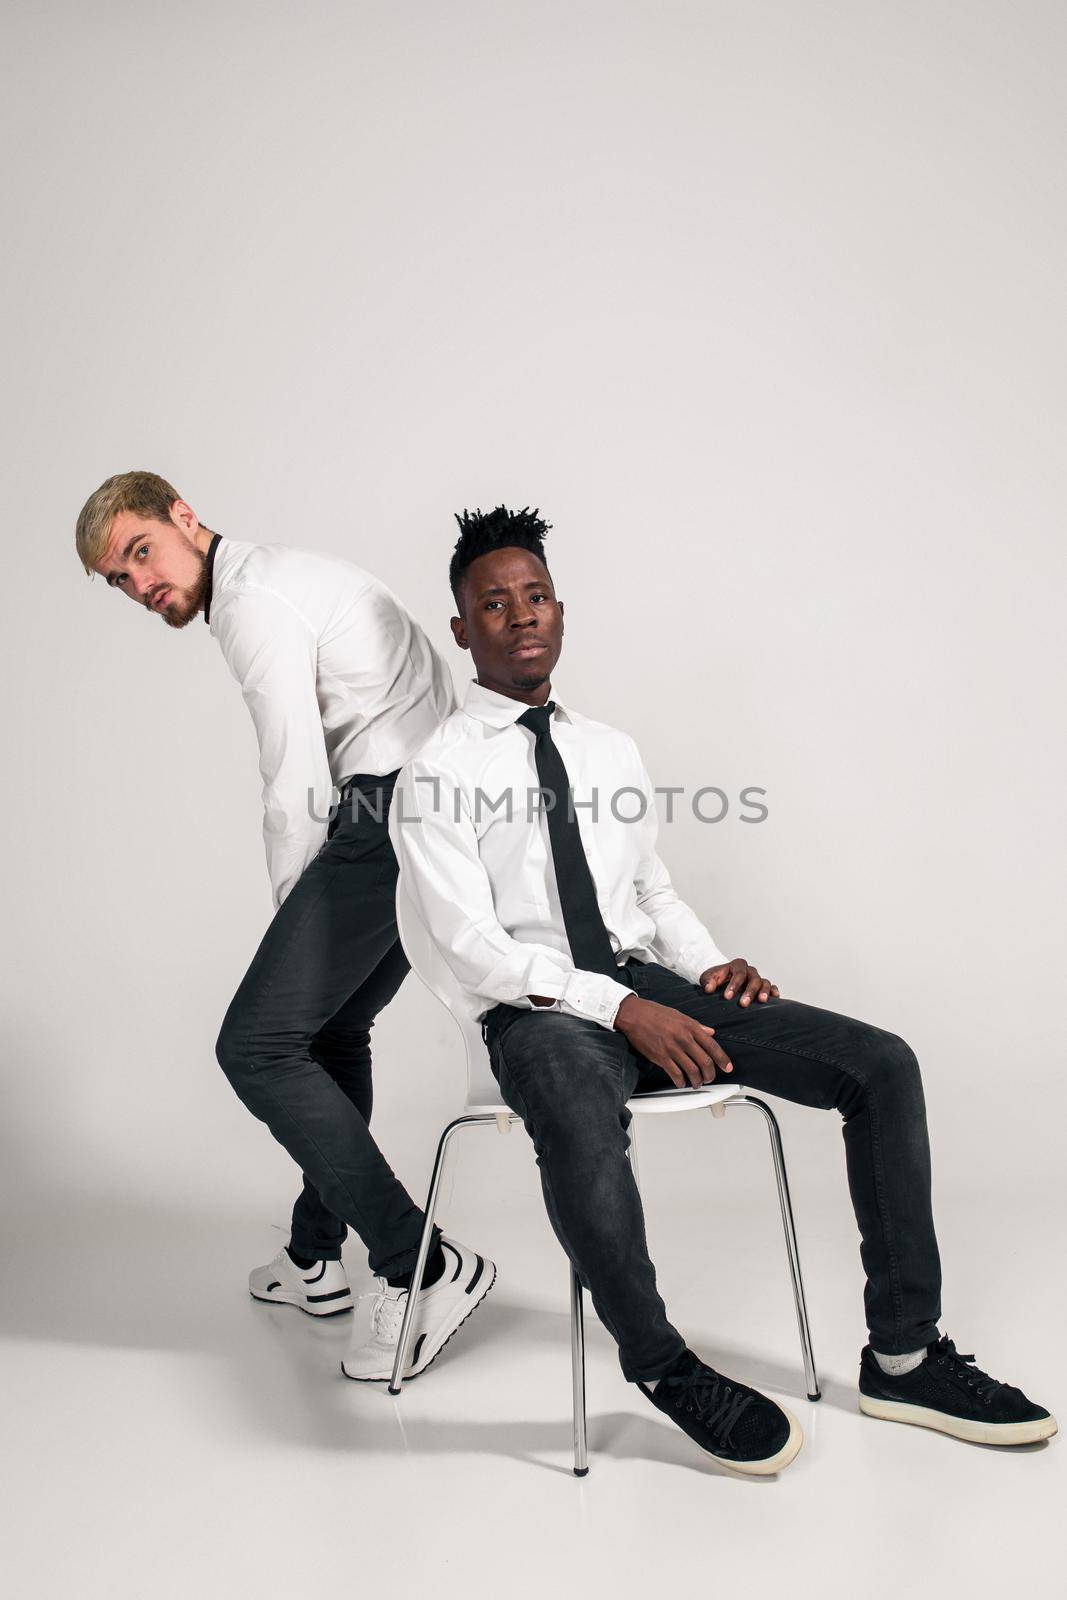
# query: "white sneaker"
{"points": [[463, 1285], [321, 1291]]}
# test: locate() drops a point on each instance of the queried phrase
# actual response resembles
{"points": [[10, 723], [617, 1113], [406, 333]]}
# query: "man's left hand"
{"points": [[740, 978]]}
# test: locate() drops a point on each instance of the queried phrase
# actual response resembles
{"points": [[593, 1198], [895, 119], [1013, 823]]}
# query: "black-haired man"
{"points": [[595, 980]]}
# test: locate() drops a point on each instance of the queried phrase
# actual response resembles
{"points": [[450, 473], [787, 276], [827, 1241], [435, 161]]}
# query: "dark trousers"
{"points": [[569, 1080], [295, 1042]]}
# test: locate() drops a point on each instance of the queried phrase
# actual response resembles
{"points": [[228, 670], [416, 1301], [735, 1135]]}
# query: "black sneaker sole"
{"points": [[320, 1316], [1003, 1433]]}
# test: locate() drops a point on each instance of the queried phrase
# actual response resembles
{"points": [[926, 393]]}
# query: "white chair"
{"points": [[485, 1106]]}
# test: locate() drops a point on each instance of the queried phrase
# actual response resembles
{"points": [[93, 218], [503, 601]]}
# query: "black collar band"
{"points": [[212, 547]]}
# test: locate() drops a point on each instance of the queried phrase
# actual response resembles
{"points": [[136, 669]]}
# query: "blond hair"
{"points": [[144, 493]]}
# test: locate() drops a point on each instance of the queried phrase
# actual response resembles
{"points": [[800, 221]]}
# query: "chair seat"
{"points": [[661, 1100], [657, 1101]]}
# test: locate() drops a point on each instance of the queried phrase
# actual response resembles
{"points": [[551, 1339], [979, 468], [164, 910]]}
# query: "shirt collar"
{"points": [[212, 547], [499, 710]]}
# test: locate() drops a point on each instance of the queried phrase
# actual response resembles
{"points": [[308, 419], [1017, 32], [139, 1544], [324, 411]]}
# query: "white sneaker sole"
{"points": [[1006, 1433], [427, 1350], [283, 1297], [769, 1465], [764, 1469]]}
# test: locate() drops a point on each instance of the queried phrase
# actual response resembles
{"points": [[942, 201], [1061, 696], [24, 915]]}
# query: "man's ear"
{"points": [[559, 604], [459, 632], [184, 517]]}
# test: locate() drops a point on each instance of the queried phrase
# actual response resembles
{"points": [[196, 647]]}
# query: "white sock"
{"points": [[897, 1366]]}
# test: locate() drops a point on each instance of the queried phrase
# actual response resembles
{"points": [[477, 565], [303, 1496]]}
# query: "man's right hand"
{"points": [[685, 1049]]}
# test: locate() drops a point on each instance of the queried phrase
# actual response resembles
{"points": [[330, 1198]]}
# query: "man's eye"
{"points": [[491, 603], [539, 597], [141, 547]]}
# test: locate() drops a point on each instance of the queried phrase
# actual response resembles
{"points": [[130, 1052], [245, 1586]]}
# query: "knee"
{"points": [[894, 1070], [901, 1058], [232, 1051]]}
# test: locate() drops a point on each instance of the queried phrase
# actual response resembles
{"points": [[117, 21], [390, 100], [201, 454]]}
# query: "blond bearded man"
{"points": [[343, 687]]}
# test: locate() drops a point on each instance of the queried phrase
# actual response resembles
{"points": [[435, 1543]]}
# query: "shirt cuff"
{"points": [[593, 996], [692, 969]]}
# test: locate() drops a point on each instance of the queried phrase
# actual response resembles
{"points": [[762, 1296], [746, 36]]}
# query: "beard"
{"points": [[178, 613], [529, 675], [532, 679]]}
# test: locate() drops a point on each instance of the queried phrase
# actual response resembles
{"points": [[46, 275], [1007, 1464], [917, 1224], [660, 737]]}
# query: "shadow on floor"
{"points": [[112, 1272]]}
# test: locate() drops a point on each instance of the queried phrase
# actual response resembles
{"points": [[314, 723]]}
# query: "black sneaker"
{"points": [[738, 1425], [948, 1392]]}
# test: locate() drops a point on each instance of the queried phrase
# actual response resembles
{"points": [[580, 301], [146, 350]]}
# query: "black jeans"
{"points": [[295, 1042], [569, 1080]]}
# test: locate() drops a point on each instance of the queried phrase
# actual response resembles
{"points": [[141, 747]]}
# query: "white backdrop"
{"points": [[762, 305]]}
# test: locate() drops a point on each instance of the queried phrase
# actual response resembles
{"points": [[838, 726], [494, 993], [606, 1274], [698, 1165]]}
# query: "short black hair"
{"points": [[483, 531]]}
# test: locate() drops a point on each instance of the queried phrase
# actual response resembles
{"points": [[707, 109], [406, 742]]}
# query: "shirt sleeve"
{"points": [[682, 942], [271, 651], [436, 844]]}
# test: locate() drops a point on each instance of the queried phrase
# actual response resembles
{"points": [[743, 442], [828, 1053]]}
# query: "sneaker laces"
{"points": [[386, 1316], [717, 1404], [963, 1366]]}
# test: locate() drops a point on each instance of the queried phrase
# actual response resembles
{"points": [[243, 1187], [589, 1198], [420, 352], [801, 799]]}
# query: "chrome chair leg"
{"points": [[789, 1228], [424, 1244], [581, 1461]]}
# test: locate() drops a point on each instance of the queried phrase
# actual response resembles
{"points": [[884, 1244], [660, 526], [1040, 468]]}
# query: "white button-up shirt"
{"points": [[479, 870], [337, 675]]}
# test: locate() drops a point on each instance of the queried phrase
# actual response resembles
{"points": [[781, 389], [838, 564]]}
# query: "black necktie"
{"points": [[588, 938]]}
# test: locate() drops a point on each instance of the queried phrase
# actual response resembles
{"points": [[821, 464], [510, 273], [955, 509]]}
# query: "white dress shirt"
{"points": [[484, 884], [337, 675]]}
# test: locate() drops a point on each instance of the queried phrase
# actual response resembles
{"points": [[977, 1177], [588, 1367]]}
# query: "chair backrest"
{"points": [[428, 965]]}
